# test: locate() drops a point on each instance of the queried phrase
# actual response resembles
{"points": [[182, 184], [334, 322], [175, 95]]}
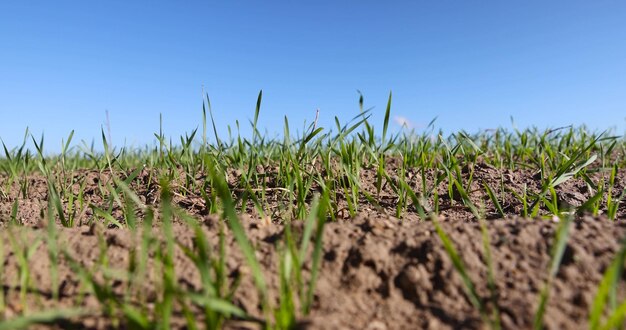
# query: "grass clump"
{"points": [[309, 178]]}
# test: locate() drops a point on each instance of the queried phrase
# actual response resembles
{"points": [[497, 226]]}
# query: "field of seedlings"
{"points": [[346, 227]]}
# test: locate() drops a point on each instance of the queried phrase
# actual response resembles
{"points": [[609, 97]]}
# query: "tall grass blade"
{"points": [[494, 200], [230, 215], [459, 266], [607, 288], [44, 317], [386, 120], [317, 250], [562, 236]]}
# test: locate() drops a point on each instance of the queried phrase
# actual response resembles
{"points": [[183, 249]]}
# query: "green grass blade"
{"points": [[317, 251], [386, 120], [494, 199], [308, 227], [562, 236], [607, 288], [230, 215], [218, 305], [217, 138], [459, 266], [135, 318], [588, 206], [616, 319], [255, 131], [44, 317]]}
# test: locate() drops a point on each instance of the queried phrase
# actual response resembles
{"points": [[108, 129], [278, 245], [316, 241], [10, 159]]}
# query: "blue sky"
{"points": [[472, 64]]}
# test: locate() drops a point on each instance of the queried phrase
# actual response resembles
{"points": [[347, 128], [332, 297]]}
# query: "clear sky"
{"points": [[472, 64]]}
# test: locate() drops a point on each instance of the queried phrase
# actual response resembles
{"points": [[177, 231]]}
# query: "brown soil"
{"points": [[378, 272]]}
